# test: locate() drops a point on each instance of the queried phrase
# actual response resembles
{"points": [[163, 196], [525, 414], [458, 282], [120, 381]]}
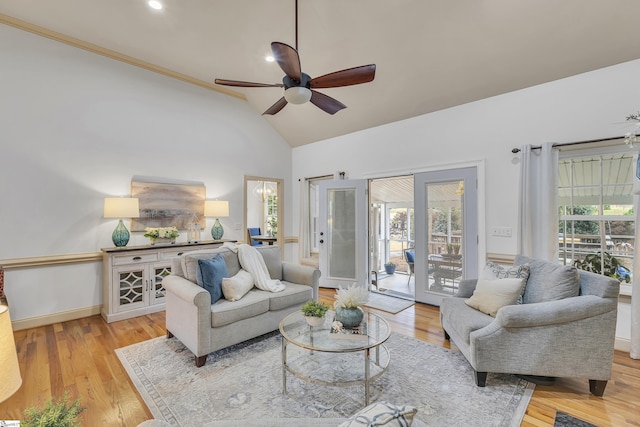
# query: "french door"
{"points": [[446, 232], [343, 233]]}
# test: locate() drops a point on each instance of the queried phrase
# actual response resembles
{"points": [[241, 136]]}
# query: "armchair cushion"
{"points": [[491, 295], [494, 271], [548, 281], [411, 256]]}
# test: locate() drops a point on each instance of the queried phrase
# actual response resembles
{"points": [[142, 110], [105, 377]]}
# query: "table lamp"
{"points": [[9, 368], [216, 209], [121, 207]]}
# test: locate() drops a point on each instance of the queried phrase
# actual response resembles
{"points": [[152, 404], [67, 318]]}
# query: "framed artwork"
{"points": [[163, 204]]}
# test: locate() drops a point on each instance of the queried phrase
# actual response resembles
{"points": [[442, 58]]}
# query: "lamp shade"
{"points": [[9, 368], [216, 208], [121, 207]]}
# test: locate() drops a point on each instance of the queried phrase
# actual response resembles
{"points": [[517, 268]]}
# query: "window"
{"points": [[596, 212], [272, 215]]}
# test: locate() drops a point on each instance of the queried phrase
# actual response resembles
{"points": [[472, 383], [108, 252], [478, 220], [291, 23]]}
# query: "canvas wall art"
{"points": [[163, 204]]}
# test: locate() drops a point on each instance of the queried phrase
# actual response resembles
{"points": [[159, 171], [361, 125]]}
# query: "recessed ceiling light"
{"points": [[269, 58], [154, 4]]}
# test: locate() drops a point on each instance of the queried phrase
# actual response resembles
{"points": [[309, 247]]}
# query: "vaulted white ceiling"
{"points": [[430, 54]]}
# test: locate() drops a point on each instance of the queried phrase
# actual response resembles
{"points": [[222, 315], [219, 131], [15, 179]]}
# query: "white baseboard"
{"points": [[622, 344], [49, 319]]}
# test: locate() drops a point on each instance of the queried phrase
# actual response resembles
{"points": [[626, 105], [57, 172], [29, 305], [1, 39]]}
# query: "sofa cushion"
{"points": [[382, 414], [234, 288], [491, 295], [190, 262], [548, 281], [293, 294], [495, 271], [454, 309], [272, 259], [210, 274], [225, 312]]}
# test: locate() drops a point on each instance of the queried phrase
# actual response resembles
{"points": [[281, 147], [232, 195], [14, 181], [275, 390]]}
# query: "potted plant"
{"points": [[54, 414], [390, 267], [612, 266], [347, 304], [162, 234], [314, 312]]}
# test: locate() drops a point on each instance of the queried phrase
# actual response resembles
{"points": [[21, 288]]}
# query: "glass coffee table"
{"points": [[328, 350]]}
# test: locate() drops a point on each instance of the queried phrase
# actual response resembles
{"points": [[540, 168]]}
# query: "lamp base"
{"points": [[217, 231], [120, 235]]}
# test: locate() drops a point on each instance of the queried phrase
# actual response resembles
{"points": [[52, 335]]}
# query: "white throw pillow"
{"points": [[234, 288], [494, 271], [382, 414], [491, 295]]}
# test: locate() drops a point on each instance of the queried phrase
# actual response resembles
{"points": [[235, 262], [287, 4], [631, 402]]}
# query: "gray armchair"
{"points": [[550, 334]]}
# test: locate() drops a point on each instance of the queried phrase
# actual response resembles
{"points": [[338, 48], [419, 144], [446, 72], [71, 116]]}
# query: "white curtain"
{"points": [[538, 212], [304, 247], [635, 292]]}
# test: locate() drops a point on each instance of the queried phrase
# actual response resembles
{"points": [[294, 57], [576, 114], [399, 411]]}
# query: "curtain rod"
{"points": [[316, 177], [566, 144]]}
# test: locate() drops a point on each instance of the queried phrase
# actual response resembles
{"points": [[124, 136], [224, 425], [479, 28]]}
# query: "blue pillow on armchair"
{"points": [[209, 275]]}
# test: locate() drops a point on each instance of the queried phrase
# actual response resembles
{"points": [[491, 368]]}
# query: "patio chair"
{"points": [[409, 257]]}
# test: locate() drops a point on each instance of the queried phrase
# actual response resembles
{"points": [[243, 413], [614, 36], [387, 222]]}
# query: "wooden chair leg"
{"points": [[481, 378], [201, 360], [596, 387]]}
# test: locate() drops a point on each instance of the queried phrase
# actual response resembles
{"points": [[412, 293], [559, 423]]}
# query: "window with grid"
{"points": [[596, 211], [272, 215]]}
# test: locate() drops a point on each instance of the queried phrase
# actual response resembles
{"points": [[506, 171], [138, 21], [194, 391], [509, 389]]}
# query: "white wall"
{"points": [[584, 107], [75, 127]]}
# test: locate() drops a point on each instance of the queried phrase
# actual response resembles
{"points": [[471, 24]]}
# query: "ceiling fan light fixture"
{"points": [[297, 95]]}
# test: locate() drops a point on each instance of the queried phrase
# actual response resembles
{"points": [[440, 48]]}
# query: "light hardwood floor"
{"points": [[78, 357]]}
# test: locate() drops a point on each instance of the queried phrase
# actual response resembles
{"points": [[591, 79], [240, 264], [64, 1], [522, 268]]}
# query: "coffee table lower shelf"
{"points": [[375, 362]]}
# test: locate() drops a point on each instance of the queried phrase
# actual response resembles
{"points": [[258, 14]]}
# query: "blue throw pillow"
{"points": [[209, 275], [410, 256]]}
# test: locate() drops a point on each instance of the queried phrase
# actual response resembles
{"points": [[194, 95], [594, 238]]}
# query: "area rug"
{"points": [[387, 303], [566, 420], [242, 385]]}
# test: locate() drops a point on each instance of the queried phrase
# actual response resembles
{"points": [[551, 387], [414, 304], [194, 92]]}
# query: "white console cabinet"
{"points": [[132, 277]]}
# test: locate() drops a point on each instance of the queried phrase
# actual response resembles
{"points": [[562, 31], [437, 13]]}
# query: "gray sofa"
{"points": [[551, 334], [204, 327]]}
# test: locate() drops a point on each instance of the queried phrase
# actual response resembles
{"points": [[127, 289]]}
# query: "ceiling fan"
{"points": [[300, 87]]}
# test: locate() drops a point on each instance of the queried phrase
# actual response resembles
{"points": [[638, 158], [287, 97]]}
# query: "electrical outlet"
{"points": [[502, 231], [238, 226]]}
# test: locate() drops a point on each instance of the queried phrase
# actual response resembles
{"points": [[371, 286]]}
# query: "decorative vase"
{"points": [[390, 269], [349, 317], [217, 231], [120, 235], [162, 241], [314, 321]]}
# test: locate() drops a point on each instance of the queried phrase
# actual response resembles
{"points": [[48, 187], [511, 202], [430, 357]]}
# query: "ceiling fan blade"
{"points": [[279, 105], [245, 84], [326, 103], [348, 77], [288, 59]]}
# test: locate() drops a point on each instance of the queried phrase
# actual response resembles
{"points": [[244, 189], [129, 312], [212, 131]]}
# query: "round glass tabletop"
{"points": [[373, 331]]}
